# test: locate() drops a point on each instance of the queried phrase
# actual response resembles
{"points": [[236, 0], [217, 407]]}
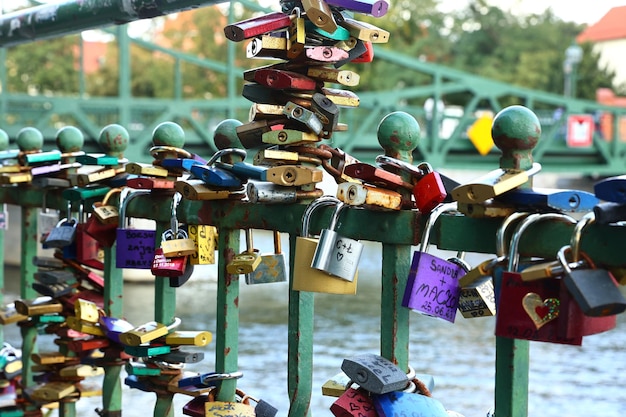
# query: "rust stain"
{"points": [[226, 351], [394, 138], [236, 301]]}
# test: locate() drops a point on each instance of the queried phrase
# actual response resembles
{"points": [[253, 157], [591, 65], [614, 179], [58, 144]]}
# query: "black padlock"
{"points": [[62, 234], [375, 373], [595, 290], [51, 276]]}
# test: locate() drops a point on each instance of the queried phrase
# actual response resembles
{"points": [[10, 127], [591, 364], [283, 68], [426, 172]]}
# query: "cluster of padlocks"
{"points": [[558, 300]]}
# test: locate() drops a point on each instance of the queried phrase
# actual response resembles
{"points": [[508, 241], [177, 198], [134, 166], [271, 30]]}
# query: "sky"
{"points": [[576, 11]]}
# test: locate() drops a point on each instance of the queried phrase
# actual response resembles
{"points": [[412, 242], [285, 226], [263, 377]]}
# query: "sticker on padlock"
{"points": [[247, 261], [337, 255], [204, 238], [105, 212], [62, 234], [135, 247], [375, 373], [433, 284], [163, 266], [306, 278], [272, 267]]}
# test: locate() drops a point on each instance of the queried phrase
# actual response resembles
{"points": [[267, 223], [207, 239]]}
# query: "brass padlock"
{"points": [[204, 238], [189, 338], [247, 261], [147, 332], [177, 244], [86, 310], [86, 327], [272, 267], [105, 212], [38, 306], [306, 278]]}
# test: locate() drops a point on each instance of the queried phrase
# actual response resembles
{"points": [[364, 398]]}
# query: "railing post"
{"points": [[516, 131]]}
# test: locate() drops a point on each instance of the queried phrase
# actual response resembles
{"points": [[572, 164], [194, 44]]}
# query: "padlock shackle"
{"points": [[109, 194], [432, 219], [522, 226], [130, 195], [176, 199], [217, 155], [501, 249], [585, 221], [327, 200]]}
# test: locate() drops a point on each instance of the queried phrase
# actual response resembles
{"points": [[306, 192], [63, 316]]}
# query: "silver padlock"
{"points": [[337, 255]]}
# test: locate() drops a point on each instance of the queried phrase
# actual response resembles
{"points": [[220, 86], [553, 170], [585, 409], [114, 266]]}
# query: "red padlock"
{"points": [[163, 266], [354, 402], [429, 190]]}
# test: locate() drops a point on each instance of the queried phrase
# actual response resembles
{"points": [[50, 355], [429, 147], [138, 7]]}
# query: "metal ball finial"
{"points": [[29, 139], [225, 135], [398, 134], [70, 139], [4, 140], [516, 131], [169, 134], [114, 140]]}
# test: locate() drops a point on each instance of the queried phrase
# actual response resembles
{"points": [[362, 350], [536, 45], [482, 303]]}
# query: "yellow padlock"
{"points": [[189, 338], [306, 278], [86, 310], [204, 237], [247, 261]]}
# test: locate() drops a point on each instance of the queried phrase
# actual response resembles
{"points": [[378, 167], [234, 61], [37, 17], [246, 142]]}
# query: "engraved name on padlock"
{"points": [[335, 254], [135, 247]]}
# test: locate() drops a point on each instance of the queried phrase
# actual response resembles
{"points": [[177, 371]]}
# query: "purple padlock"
{"points": [[376, 8], [433, 284], [134, 247]]}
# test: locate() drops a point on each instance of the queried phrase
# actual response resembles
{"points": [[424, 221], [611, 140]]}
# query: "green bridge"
{"points": [[445, 145]]}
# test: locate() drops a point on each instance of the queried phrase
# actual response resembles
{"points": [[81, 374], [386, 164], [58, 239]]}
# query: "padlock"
{"points": [[46, 219], [289, 137], [267, 46], [335, 76], [283, 79], [540, 310], [364, 31], [304, 116], [52, 391], [197, 190], [354, 402], [324, 54], [337, 255], [272, 267], [62, 234], [135, 247], [241, 408], [266, 193], [163, 266], [256, 26], [177, 243], [317, 33], [376, 8], [86, 310], [38, 306], [146, 350], [89, 252], [147, 183], [493, 184], [215, 176], [178, 356], [147, 170], [375, 373], [105, 212], [180, 280], [54, 290], [477, 297], [75, 323], [376, 176], [549, 199], [189, 338], [306, 278], [9, 314], [595, 290], [262, 407], [429, 191], [147, 332], [247, 261], [320, 14], [204, 238], [113, 327], [356, 194], [399, 403], [433, 284], [296, 35]]}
